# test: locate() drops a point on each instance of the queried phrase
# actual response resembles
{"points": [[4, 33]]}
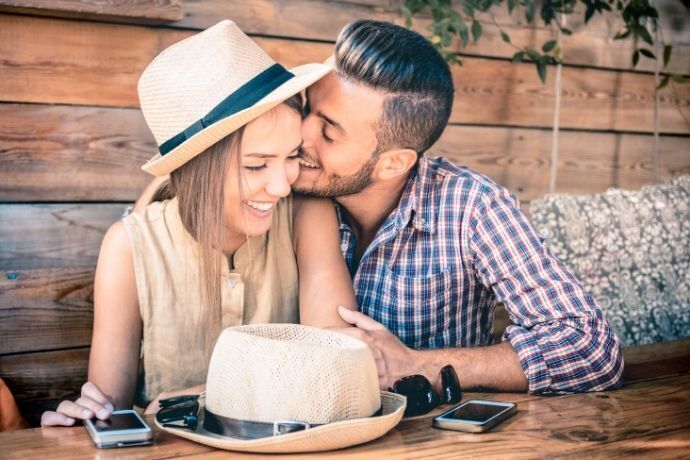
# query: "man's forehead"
{"points": [[340, 93]]}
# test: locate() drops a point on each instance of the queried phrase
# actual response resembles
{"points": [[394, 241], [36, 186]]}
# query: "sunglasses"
{"points": [[420, 394], [179, 412]]}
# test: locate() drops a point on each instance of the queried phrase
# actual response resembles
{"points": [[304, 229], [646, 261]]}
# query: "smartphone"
{"points": [[124, 428], [475, 416]]}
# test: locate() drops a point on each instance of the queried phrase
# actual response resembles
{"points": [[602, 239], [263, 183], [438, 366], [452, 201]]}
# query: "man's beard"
{"points": [[343, 185]]}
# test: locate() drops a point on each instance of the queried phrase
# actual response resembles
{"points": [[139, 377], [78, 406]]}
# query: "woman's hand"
{"points": [[92, 403], [155, 404]]}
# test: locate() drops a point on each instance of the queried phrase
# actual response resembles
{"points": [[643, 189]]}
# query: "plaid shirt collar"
{"points": [[411, 207]]}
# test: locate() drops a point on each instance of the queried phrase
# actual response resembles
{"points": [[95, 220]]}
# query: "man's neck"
{"points": [[368, 209]]}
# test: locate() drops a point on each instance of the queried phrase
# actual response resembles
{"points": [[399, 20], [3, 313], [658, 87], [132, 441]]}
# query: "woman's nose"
{"points": [[279, 183]]}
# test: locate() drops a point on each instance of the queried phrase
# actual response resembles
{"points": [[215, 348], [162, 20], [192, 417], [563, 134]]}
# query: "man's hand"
{"points": [[393, 359]]}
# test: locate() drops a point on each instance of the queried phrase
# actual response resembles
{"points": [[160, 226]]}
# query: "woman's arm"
{"points": [[114, 358], [323, 276]]}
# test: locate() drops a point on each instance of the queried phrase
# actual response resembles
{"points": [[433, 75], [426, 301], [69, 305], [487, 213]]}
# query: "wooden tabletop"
{"points": [[650, 418]]}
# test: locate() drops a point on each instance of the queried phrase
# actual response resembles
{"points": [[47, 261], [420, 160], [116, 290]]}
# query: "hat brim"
{"points": [[305, 75], [332, 436]]}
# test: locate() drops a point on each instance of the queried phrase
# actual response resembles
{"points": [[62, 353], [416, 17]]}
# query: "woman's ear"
{"points": [[396, 163]]}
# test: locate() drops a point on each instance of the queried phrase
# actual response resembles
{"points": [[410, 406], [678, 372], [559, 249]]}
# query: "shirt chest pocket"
{"points": [[414, 308]]}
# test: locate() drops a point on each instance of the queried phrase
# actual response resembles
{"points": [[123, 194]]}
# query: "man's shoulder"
{"points": [[456, 179]]}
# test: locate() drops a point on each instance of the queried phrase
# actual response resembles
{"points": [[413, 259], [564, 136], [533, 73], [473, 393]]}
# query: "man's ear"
{"points": [[395, 163]]}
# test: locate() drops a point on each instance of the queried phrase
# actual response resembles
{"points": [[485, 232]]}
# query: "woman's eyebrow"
{"points": [[270, 155]]}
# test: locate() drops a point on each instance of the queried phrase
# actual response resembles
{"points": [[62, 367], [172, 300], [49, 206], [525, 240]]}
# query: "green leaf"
{"points": [[529, 11], [565, 31], [541, 70], [680, 79], [547, 13], [505, 37], [534, 55], [664, 82], [511, 5], [667, 54], [635, 58], [518, 57], [464, 36], [548, 46], [476, 30], [589, 13], [647, 53], [644, 33]]}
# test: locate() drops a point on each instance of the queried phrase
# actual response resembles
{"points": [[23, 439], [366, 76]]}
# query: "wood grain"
{"points": [[53, 54], [140, 11], [53, 235], [321, 20], [46, 309], [65, 153], [70, 153], [40, 380], [553, 426]]}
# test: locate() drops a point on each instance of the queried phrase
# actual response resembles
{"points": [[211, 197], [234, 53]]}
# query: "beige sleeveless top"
{"points": [[263, 288]]}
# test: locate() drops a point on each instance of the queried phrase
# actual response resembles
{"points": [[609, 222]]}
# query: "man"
{"points": [[432, 248]]}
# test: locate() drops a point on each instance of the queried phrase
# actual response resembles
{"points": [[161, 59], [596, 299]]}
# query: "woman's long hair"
{"points": [[199, 188]]}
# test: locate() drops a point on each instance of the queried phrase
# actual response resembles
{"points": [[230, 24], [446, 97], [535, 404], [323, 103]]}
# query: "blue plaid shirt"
{"points": [[456, 245]]}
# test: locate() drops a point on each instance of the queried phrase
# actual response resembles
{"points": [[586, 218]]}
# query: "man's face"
{"points": [[339, 133]]}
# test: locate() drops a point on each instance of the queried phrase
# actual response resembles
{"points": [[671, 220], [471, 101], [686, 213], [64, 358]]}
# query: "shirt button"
{"points": [[232, 283]]}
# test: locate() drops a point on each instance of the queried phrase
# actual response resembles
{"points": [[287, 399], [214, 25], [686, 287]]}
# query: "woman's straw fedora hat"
{"points": [[280, 388], [206, 86]]}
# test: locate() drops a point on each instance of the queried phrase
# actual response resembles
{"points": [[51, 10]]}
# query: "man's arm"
{"points": [[560, 334], [496, 367]]}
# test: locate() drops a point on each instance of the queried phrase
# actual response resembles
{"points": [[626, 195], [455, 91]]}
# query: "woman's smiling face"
{"points": [[268, 165]]}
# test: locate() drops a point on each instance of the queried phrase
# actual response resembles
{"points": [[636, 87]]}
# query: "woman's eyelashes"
{"points": [[296, 155]]}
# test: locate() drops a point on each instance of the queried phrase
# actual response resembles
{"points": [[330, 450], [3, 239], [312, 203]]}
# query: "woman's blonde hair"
{"points": [[199, 188]]}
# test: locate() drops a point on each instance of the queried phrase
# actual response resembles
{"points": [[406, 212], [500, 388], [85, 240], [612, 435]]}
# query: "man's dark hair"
{"points": [[402, 63]]}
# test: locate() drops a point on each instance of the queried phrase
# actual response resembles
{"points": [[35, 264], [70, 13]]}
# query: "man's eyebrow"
{"points": [[270, 155], [331, 122]]}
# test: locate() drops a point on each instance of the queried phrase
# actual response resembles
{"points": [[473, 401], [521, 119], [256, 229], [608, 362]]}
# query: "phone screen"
{"points": [[119, 422], [476, 412]]}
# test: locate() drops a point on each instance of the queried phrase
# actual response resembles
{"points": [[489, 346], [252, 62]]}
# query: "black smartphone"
{"points": [[475, 416], [124, 428]]}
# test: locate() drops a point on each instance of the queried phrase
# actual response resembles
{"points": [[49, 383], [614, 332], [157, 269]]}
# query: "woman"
{"points": [[225, 250]]}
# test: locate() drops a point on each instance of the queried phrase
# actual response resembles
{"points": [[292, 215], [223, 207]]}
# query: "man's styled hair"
{"points": [[402, 63]]}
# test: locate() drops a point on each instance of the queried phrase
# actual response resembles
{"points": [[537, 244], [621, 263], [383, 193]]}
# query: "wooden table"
{"points": [[649, 418]]}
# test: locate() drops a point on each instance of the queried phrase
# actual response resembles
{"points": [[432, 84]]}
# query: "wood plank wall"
{"points": [[72, 138]]}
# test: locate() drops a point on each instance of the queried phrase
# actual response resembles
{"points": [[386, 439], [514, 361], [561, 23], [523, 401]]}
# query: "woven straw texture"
{"points": [[274, 372], [188, 79], [306, 374]]}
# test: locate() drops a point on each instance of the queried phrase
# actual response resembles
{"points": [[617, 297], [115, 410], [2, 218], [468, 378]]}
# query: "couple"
{"points": [[431, 248]]}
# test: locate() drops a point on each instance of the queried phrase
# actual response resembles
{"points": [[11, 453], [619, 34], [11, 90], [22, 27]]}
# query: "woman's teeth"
{"points": [[308, 164], [260, 206]]}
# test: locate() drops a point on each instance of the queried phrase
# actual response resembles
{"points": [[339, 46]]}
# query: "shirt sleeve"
{"points": [[561, 336]]}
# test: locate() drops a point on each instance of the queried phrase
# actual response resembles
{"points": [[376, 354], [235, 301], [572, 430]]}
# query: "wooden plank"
{"points": [[76, 62], [45, 309], [68, 153], [320, 20], [139, 11], [40, 380], [52, 55], [53, 235], [500, 93], [520, 159], [657, 360]]}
